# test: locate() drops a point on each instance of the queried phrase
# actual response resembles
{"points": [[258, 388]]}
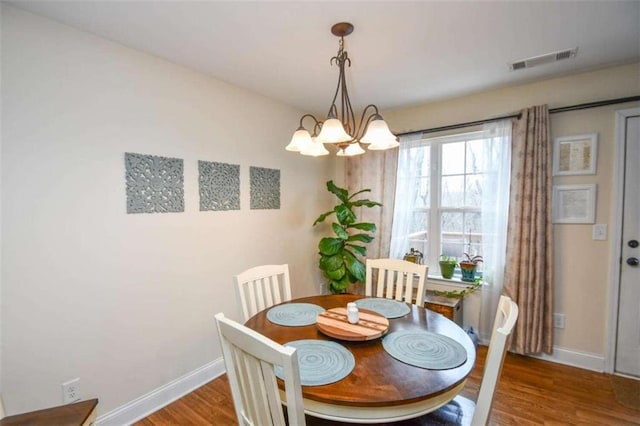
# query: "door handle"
{"points": [[633, 261]]}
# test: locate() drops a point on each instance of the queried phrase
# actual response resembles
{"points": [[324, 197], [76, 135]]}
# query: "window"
{"points": [[439, 198]]}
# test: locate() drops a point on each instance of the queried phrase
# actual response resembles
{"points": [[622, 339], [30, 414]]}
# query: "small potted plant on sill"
{"points": [[447, 266], [468, 267]]}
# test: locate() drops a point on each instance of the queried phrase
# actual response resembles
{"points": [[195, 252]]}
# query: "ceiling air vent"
{"points": [[543, 59]]}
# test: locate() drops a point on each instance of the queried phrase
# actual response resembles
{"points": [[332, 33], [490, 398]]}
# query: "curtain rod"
{"points": [[504, 117]]}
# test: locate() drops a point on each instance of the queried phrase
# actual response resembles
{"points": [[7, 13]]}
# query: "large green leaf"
{"points": [[359, 192], [367, 203], [362, 251], [337, 274], [341, 193], [322, 217], [364, 226], [354, 266], [363, 238], [345, 215], [330, 246], [340, 232], [339, 286], [330, 263]]}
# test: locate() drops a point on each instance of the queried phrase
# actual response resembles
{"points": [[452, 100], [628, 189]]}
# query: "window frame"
{"points": [[435, 209]]}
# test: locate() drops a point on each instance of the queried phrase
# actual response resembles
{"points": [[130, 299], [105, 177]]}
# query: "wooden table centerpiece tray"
{"points": [[334, 323]]}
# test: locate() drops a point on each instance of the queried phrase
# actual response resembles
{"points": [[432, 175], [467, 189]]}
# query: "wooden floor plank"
{"points": [[531, 392]]}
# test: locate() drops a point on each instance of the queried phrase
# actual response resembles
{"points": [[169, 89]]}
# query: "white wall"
{"points": [[124, 301], [581, 265]]}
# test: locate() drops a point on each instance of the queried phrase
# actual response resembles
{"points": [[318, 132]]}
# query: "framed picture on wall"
{"points": [[574, 203], [575, 155]]}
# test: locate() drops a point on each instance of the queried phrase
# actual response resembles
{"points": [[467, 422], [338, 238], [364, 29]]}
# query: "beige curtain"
{"points": [[529, 262], [375, 170]]}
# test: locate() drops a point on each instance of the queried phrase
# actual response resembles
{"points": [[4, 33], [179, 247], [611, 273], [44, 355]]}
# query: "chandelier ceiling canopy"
{"points": [[339, 128]]}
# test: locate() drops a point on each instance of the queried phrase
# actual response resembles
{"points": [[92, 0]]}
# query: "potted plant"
{"points": [[468, 267], [340, 255], [447, 265]]}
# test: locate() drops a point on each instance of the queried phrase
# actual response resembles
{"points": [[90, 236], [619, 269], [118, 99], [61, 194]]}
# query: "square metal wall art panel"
{"points": [[264, 188], [219, 186], [154, 184]]}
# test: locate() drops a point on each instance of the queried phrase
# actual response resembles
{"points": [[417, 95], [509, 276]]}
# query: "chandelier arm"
{"points": [[361, 128], [339, 61], [316, 126], [348, 117]]}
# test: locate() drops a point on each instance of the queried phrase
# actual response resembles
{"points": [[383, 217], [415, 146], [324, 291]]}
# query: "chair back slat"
{"points": [[261, 287], [506, 316], [396, 279], [250, 360]]}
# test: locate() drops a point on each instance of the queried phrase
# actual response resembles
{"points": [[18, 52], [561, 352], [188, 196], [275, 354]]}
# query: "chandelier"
{"points": [[339, 128]]}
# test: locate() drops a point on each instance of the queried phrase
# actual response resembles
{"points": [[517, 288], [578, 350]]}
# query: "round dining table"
{"points": [[379, 388]]}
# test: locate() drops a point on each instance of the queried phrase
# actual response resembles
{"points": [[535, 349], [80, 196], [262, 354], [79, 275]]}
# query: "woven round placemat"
{"points": [[387, 307], [424, 349], [294, 314], [321, 361]]}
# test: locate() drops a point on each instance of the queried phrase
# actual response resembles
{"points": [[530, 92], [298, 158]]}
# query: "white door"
{"points": [[628, 339]]}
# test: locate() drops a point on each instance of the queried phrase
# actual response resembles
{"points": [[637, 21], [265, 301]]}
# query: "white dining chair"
{"points": [[250, 360], [395, 279], [261, 287], [463, 411]]}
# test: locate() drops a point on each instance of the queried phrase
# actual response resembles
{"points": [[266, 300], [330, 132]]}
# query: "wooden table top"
{"points": [[377, 379]]}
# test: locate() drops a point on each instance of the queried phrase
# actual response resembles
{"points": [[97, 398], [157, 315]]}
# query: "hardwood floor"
{"points": [[530, 392]]}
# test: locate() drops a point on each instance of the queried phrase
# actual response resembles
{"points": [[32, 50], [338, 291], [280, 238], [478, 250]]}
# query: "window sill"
{"points": [[456, 281]]}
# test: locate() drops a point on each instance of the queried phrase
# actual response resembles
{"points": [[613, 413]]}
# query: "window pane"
{"points": [[475, 156], [422, 195], [419, 232], [453, 158], [452, 191], [473, 191], [419, 224], [452, 241], [472, 223], [473, 234]]}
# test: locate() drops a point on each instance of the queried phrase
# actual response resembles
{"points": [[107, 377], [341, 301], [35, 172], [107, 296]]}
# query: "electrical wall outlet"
{"points": [[71, 391], [558, 320]]}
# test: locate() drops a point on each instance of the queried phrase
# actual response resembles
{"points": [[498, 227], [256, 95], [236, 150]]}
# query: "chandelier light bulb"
{"points": [[351, 150], [333, 132], [314, 149], [301, 139], [377, 132]]}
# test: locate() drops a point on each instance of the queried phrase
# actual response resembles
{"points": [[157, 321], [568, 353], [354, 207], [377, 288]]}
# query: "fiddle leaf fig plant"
{"points": [[340, 255]]}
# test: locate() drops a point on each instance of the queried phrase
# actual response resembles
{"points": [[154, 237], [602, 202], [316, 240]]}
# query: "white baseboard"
{"points": [[153, 401], [585, 360]]}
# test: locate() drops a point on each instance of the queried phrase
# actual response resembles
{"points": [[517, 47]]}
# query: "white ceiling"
{"points": [[402, 53]]}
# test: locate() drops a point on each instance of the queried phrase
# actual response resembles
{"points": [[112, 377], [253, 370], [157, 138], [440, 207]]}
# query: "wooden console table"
{"points": [[450, 307], [81, 413]]}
